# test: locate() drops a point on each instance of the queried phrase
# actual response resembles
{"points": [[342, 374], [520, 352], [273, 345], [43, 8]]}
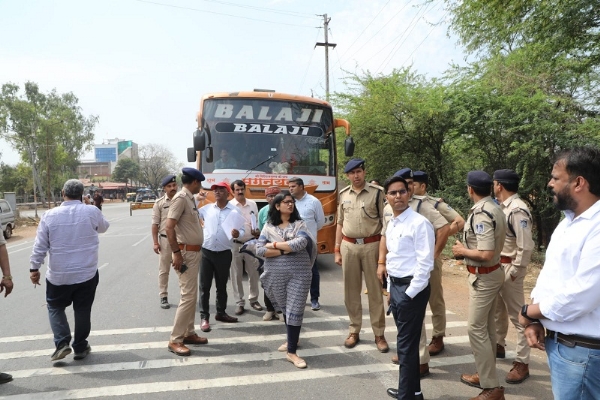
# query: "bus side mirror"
{"points": [[349, 146], [191, 154], [199, 140], [209, 154]]}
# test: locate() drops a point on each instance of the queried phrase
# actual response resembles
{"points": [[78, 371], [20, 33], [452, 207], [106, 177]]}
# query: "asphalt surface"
{"points": [[130, 332]]}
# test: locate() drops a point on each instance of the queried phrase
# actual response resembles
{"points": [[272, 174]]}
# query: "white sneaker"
{"points": [[269, 315]]}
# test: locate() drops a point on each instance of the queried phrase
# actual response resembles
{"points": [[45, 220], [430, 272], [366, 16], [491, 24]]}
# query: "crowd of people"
{"points": [[392, 234]]}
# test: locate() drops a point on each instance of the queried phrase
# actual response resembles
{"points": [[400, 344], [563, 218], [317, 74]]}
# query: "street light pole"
{"points": [[32, 154]]}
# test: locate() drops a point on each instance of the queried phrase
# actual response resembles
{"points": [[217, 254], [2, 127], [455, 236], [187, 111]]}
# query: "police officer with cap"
{"points": [[185, 237], [159, 236], [436, 300], [359, 223], [441, 229], [515, 256], [483, 239]]}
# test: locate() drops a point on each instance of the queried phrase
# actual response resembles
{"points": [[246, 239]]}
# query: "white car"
{"points": [[7, 218]]}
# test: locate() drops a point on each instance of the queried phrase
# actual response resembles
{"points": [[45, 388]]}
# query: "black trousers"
{"points": [[408, 315], [214, 264]]}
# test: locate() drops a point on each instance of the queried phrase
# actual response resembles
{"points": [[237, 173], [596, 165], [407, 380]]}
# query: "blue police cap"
{"points": [[168, 179], [194, 173], [405, 173], [420, 176], [479, 179], [506, 176], [354, 163]]}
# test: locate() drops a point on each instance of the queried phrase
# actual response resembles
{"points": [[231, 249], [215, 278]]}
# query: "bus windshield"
{"points": [[261, 136]]}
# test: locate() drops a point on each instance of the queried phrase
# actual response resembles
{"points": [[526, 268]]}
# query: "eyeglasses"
{"points": [[395, 193], [288, 202]]}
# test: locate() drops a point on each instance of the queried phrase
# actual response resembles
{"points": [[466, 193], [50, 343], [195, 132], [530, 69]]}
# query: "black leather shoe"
{"points": [[392, 393]]}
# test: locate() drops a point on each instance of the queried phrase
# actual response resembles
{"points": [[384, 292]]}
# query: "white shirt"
{"points": [[410, 243], [215, 238], [311, 212], [70, 234], [247, 210], [568, 288]]}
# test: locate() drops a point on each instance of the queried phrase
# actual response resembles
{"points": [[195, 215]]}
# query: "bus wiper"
{"points": [[262, 162]]}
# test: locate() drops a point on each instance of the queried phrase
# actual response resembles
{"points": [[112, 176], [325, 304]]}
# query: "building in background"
{"points": [[106, 156]]}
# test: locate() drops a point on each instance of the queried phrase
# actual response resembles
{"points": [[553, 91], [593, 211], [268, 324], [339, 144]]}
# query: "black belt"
{"points": [[401, 281], [215, 252], [161, 235], [238, 241], [574, 340]]}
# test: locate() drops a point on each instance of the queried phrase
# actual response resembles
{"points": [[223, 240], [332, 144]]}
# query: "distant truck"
{"points": [[7, 218]]}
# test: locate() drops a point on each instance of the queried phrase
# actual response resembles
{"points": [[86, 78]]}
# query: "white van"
{"points": [[7, 218]]}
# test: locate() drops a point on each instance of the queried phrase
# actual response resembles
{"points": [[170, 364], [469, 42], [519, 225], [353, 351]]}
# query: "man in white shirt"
{"points": [[70, 234], [406, 254], [249, 211], [566, 298], [311, 211], [216, 253]]}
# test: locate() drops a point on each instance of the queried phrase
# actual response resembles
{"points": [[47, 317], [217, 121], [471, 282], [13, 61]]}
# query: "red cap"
{"points": [[221, 184]]}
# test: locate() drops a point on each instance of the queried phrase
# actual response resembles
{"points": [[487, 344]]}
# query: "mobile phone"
{"points": [[183, 268]]}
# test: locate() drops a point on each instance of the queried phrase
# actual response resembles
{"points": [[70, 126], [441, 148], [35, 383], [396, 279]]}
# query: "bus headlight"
{"points": [[329, 219]]}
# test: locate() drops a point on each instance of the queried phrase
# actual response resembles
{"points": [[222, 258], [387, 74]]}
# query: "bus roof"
{"points": [[264, 95]]}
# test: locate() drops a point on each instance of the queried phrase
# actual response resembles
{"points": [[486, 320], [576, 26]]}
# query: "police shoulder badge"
{"points": [[523, 223], [478, 229]]}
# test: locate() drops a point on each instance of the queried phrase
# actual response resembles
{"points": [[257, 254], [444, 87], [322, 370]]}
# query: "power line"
{"points": [[220, 13], [309, 61], [422, 41], [273, 10]]}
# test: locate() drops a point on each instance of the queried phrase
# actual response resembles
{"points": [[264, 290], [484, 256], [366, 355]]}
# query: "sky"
{"points": [[142, 66]]}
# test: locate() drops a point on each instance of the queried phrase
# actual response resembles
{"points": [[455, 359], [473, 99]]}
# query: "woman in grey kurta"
{"points": [[289, 252]]}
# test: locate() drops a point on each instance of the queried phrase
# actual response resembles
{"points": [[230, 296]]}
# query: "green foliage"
{"points": [[156, 161], [126, 170]]}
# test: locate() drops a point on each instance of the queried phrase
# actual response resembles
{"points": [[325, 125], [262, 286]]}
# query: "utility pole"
{"points": [[326, 44]]}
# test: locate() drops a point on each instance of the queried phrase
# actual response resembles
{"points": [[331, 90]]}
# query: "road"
{"points": [[129, 357]]}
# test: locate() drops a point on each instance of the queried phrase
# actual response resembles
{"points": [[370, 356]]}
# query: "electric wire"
{"points": [[309, 61], [273, 10]]}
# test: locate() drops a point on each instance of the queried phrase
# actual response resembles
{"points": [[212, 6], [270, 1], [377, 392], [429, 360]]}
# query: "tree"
{"points": [[49, 130], [156, 161], [126, 170]]}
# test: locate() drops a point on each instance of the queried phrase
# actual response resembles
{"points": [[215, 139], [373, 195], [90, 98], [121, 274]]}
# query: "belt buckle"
{"points": [[360, 240]]}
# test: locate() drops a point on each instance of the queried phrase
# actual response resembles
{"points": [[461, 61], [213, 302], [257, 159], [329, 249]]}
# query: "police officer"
{"points": [[515, 256], [357, 239], [484, 234], [436, 299], [159, 236], [441, 229], [185, 237]]}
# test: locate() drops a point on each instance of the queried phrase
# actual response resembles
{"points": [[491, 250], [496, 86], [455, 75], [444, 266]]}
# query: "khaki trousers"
{"points": [[358, 260], [424, 356], [436, 300], [483, 292], [164, 266], [510, 300], [237, 274], [188, 285]]}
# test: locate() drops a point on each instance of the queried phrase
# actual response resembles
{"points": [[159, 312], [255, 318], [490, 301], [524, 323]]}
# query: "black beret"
{"points": [[479, 179], [506, 176], [168, 179], [194, 173], [420, 176], [354, 163], [405, 173]]}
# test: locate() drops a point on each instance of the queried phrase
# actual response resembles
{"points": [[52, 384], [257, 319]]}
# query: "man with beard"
{"points": [[159, 236], [566, 299]]}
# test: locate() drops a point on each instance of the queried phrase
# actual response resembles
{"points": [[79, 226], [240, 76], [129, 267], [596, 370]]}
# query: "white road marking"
{"points": [[18, 244], [140, 241], [102, 266], [239, 325]]}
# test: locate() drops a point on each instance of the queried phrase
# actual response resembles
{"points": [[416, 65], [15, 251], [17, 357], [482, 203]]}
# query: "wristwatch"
{"points": [[33, 270], [524, 313]]}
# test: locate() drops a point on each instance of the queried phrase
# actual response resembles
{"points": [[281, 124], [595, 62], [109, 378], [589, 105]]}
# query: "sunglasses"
{"points": [[288, 202]]}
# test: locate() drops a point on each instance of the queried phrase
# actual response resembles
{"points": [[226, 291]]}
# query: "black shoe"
{"points": [[83, 354], [4, 378], [164, 303], [61, 352], [394, 393]]}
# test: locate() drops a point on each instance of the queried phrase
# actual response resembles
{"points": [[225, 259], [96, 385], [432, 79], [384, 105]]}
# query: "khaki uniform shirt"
{"points": [[518, 243], [183, 209], [160, 210], [442, 207], [483, 232], [360, 213], [422, 207]]}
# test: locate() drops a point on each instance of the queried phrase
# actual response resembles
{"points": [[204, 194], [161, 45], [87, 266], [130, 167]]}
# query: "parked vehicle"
{"points": [[7, 218]]}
